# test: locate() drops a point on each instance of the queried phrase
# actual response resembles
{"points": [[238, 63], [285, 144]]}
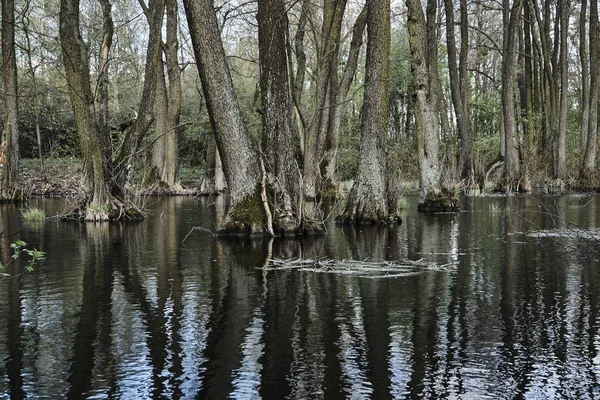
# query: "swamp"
{"points": [[501, 300]]}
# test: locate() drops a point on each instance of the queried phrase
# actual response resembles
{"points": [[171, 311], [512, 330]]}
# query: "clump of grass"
{"points": [[403, 203], [33, 214], [494, 207]]}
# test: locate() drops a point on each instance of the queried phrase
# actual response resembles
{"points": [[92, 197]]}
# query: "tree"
{"points": [[367, 201], [326, 81], [103, 184], [339, 95], [9, 148], [560, 162], [426, 113], [458, 81], [241, 166], [512, 166], [588, 160], [167, 108], [278, 143]]}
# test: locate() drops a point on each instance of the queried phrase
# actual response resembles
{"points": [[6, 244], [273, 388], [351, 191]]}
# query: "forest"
{"points": [[278, 102]]}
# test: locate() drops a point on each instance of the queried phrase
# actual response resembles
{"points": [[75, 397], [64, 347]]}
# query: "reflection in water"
{"points": [[133, 311]]}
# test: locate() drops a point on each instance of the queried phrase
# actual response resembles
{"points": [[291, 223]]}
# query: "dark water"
{"points": [[133, 311]]}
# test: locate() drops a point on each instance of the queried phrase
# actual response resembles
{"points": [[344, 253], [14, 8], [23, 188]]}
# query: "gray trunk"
{"points": [[335, 116], [367, 201], [9, 156], [509, 70], [561, 157], [240, 159], [95, 199], [426, 115], [278, 142], [589, 157]]}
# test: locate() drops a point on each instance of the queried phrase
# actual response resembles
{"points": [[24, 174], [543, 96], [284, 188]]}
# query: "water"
{"points": [[134, 311]]}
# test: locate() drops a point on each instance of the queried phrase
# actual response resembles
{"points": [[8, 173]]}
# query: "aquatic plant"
{"points": [[33, 214], [19, 249]]}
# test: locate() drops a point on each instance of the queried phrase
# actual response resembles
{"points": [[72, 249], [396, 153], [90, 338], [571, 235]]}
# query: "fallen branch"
{"points": [[363, 269]]}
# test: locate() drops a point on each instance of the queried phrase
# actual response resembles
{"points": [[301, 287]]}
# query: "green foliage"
{"points": [[403, 203], [33, 214], [20, 249]]}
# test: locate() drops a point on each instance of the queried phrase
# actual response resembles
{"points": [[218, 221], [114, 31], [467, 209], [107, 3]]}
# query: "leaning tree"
{"points": [[103, 193]]}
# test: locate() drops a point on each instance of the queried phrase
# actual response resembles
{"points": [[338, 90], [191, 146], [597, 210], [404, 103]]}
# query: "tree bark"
{"points": [[585, 81], [103, 185], [512, 164], [367, 201], [458, 82], [560, 169], [278, 143], [122, 161], [333, 12], [240, 160], [426, 112], [95, 195], [9, 148], [587, 174], [329, 163], [103, 78], [167, 108]]}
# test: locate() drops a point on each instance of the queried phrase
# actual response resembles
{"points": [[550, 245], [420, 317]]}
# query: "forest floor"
{"points": [[62, 176]]}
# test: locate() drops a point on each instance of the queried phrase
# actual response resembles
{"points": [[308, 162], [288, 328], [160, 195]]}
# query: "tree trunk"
{"points": [[560, 170], [585, 78], [328, 165], [458, 83], [121, 162], [277, 140], [432, 40], [587, 175], [95, 196], [333, 12], [167, 109], [367, 201], [9, 156], [103, 81], [103, 193], [213, 181], [509, 69], [426, 115], [240, 160]]}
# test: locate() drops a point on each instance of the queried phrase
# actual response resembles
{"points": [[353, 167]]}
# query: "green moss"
{"points": [[249, 212]]}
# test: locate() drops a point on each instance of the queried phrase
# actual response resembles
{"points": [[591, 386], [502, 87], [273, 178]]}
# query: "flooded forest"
{"points": [[299, 199]]}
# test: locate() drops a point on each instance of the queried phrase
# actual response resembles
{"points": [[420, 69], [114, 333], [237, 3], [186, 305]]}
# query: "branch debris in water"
{"points": [[362, 269]]}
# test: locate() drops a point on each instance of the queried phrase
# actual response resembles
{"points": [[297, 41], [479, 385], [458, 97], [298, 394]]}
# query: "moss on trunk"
{"points": [[246, 217]]}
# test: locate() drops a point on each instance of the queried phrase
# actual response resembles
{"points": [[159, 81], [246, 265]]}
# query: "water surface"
{"points": [[134, 311]]}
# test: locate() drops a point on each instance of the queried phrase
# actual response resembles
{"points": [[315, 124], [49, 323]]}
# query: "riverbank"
{"points": [[62, 176]]}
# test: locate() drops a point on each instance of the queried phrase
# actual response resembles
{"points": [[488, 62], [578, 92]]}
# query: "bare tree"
{"points": [[240, 160], [9, 148], [103, 184], [512, 166], [167, 108], [277, 141], [367, 201]]}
